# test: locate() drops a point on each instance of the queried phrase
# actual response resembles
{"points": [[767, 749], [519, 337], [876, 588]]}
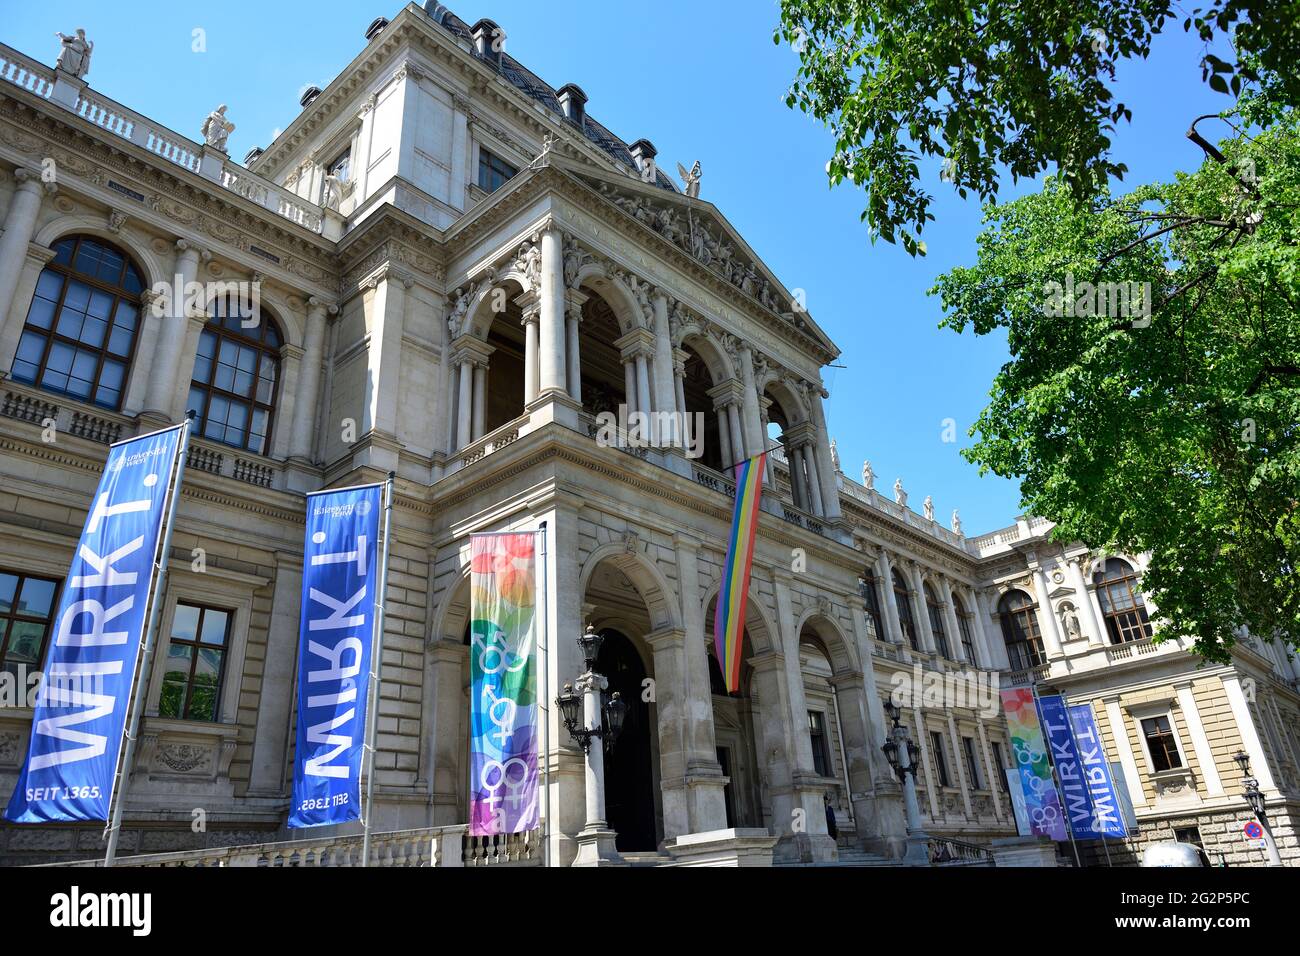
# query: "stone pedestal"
{"points": [[332, 225], [556, 406], [596, 846], [211, 162], [1024, 851], [730, 847], [67, 89]]}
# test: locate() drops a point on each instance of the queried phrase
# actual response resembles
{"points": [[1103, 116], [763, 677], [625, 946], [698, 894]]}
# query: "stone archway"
{"points": [[629, 774]]}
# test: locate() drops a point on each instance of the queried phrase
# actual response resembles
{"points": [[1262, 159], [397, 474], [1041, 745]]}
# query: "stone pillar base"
{"points": [[805, 848], [730, 847], [211, 162], [553, 405], [67, 89], [596, 848], [301, 475], [916, 850]]}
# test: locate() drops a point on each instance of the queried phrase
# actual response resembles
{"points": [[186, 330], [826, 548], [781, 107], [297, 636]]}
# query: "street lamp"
{"points": [[904, 757], [589, 712], [1255, 800]]}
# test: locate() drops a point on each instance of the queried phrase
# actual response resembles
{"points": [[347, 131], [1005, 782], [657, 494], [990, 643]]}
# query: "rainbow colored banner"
{"points": [[1042, 801], [503, 684], [729, 617]]}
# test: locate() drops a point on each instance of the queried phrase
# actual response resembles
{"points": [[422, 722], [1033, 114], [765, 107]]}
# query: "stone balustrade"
{"points": [[127, 124]]}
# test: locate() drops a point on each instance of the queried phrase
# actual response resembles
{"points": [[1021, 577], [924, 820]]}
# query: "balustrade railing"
{"points": [[127, 124], [947, 850]]}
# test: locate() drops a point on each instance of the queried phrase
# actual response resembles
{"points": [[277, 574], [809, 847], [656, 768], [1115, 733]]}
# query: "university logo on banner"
{"points": [[90, 666], [503, 684], [1042, 803], [335, 632]]}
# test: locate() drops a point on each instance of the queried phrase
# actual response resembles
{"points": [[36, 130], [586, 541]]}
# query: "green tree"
{"points": [[995, 87], [1167, 422]]}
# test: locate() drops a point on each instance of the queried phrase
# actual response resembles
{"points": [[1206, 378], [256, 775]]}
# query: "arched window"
{"points": [[236, 375], [935, 610], [967, 629], [904, 602], [871, 603], [81, 327], [1121, 605], [1020, 630]]}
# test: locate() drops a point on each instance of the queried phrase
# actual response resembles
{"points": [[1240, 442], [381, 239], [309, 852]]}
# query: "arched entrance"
{"points": [[737, 744], [629, 777]]}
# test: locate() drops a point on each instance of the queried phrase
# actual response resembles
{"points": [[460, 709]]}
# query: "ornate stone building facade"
{"points": [[457, 271]]}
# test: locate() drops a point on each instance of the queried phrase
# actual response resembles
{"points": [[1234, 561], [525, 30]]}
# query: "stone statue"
{"points": [[691, 179], [868, 476], [333, 194], [458, 312], [835, 456], [216, 128], [544, 157], [900, 496], [956, 522], [928, 505], [1070, 622], [74, 58]]}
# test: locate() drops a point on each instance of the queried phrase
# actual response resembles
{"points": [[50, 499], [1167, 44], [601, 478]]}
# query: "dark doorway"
{"points": [[629, 784], [724, 761]]}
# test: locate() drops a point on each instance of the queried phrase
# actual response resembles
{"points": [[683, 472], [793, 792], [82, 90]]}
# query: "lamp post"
{"points": [[1255, 799], [588, 713], [904, 757]]}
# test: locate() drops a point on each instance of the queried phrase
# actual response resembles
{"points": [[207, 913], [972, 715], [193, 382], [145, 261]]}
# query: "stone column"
{"points": [[573, 320], [885, 572], [480, 400], [994, 643], [995, 773], [19, 227], [954, 626], [822, 450], [794, 461], [165, 368], [752, 419], [724, 435], [551, 345], [668, 647], [959, 757], [304, 411], [448, 661], [665, 397], [921, 609], [11, 328], [1200, 742], [1046, 617], [531, 312], [271, 736], [642, 384], [736, 430], [814, 479], [383, 356], [463, 407], [595, 839]]}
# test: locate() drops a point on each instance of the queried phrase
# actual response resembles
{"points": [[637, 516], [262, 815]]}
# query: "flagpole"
{"points": [[150, 637], [1056, 780], [544, 705], [376, 665]]}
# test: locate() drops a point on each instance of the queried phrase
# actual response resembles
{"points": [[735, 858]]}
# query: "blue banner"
{"points": [[1086, 790], [1109, 801], [85, 692], [334, 639]]}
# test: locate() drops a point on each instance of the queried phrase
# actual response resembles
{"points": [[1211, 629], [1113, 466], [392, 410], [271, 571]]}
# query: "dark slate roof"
{"points": [[534, 87]]}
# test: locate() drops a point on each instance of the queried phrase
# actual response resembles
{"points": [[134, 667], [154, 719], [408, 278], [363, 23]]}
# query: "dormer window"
{"points": [[493, 171]]}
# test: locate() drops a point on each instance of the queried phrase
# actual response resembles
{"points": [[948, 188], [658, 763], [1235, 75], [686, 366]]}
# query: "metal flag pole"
{"points": [[376, 665], [544, 703], [150, 638]]}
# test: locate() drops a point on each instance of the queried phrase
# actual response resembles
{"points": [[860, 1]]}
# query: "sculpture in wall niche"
{"points": [[956, 522], [928, 505], [217, 129], [1070, 622], [900, 496], [460, 307], [691, 178], [74, 55], [868, 476]]}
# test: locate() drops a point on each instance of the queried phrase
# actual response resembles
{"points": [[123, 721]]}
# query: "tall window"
{"points": [[940, 759], [972, 763], [935, 610], [966, 630], [196, 659], [235, 376], [871, 603], [493, 171], [904, 602], [1121, 605], [820, 749], [1020, 630], [1161, 743], [1001, 764], [81, 327], [26, 606]]}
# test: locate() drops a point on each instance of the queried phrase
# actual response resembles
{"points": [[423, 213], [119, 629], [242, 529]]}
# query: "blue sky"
{"points": [[702, 81]]}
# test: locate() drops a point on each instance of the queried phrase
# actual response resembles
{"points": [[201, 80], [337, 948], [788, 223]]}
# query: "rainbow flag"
{"points": [[729, 618]]}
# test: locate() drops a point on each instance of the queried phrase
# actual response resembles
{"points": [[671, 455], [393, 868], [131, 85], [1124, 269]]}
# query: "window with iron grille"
{"points": [[1121, 605], [80, 334], [1161, 743]]}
